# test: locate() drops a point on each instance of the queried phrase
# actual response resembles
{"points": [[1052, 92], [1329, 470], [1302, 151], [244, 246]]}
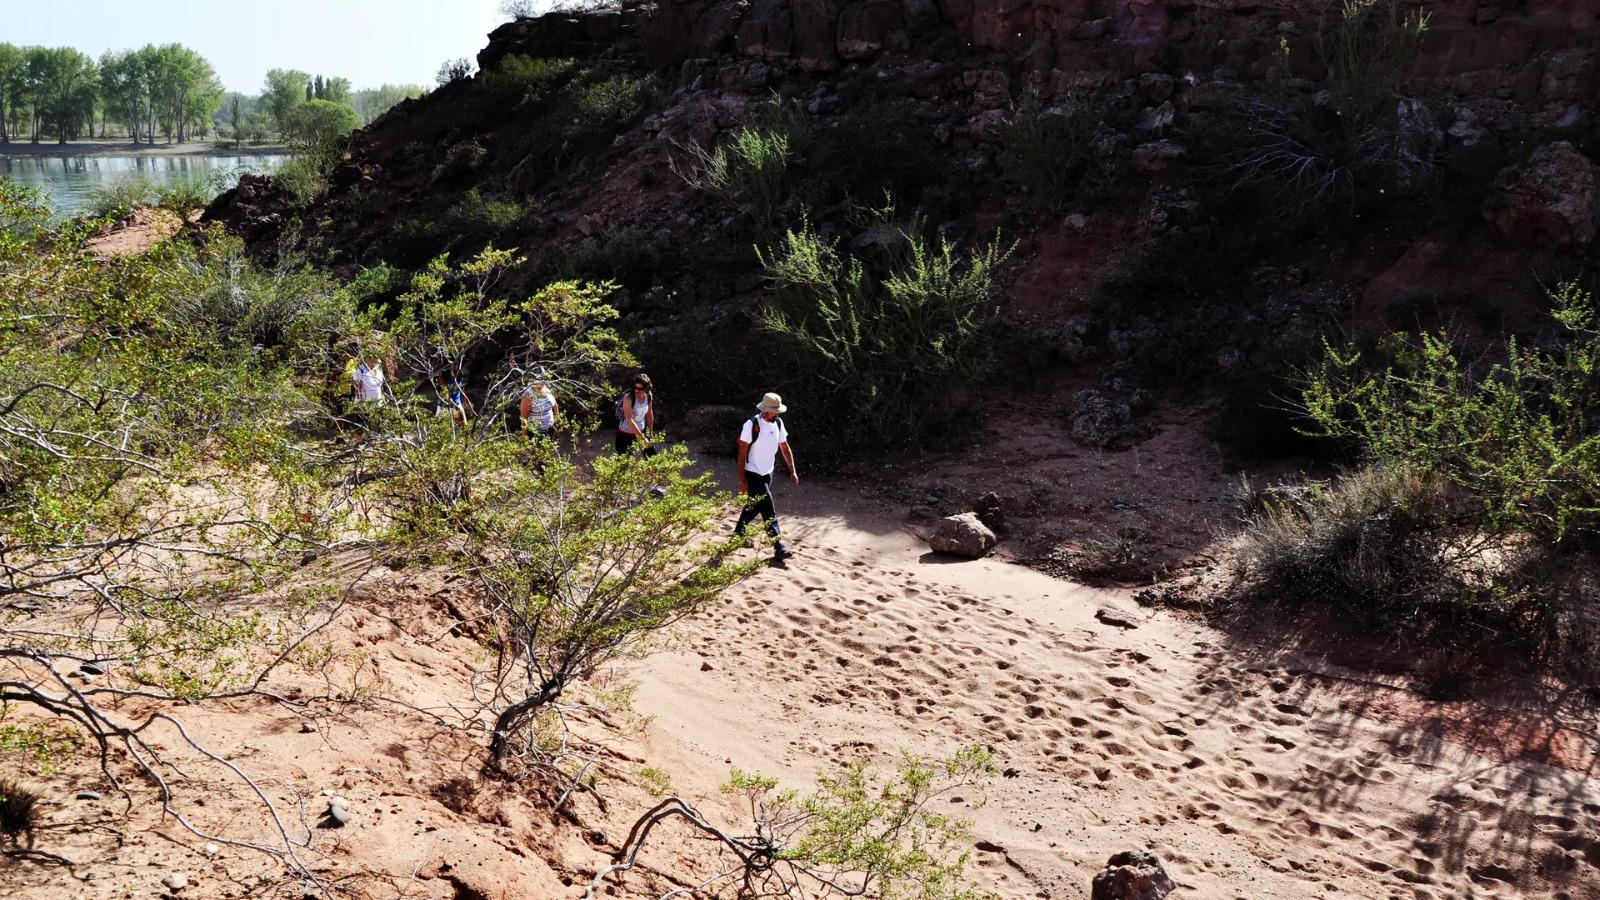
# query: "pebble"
{"points": [[211, 849], [87, 795], [308, 727], [177, 881], [92, 668], [339, 811]]}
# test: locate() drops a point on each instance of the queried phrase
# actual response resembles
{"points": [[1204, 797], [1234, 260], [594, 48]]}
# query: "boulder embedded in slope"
{"points": [[1132, 875], [1549, 202]]}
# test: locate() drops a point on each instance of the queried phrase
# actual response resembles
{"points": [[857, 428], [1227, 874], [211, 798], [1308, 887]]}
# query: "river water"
{"points": [[68, 182]]}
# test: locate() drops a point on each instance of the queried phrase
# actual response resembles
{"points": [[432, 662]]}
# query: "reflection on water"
{"points": [[69, 181]]}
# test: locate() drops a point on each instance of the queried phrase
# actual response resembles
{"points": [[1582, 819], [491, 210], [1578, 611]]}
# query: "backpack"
{"points": [[617, 412], [755, 431]]}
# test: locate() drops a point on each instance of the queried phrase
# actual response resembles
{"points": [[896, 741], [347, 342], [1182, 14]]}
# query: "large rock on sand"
{"points": [[1132, 875], [963, 535], [1550, 202]]}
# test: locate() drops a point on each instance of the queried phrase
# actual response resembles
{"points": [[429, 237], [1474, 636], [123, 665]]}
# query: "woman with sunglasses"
{"points": [[638, 417]]}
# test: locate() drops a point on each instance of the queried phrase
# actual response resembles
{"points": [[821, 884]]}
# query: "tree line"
{"points": [[172, 91]]}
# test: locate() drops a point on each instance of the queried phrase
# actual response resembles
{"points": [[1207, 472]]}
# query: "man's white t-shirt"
{"points": [[369, 383], [763, 454]]}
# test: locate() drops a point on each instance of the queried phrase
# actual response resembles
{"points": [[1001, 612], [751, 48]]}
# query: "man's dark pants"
{"points": [[759, 490]]}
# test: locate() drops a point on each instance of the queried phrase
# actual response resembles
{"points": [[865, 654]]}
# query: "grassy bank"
{"points": [[124, 148]]}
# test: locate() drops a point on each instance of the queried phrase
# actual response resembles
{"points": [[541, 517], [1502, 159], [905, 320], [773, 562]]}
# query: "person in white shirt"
{"points": [[538, 408], [638, 417], [366, 388], [760, 441]]}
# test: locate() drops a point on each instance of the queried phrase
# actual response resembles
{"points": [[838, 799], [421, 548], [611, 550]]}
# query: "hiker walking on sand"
{"points": [[760, 441], [636, 416]]}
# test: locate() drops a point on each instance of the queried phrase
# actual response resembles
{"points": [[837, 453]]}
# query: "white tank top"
{"points": [[641, 409]]}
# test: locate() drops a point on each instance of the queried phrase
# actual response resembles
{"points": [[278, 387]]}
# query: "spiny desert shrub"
{"points": [[749, 172], [1348, 145], [520, 80], [1051, 148], [1479, 513], [892, 342], [460, 161], [488, 218]]}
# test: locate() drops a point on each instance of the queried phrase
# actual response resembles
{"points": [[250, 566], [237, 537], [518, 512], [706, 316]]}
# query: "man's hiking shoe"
{"points": [[781, 553], [658, 492]]}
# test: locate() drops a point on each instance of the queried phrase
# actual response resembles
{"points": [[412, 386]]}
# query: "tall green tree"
{"points": [[13, 65], [236, 116], [284, 91], [316, 123], [374, 102], [63, 83]]}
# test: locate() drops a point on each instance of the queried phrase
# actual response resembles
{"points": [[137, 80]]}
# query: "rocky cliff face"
{"points": [[915, 95]]}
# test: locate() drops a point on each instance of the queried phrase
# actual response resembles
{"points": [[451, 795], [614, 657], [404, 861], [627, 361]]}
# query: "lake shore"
{"points": [[124, 148]]}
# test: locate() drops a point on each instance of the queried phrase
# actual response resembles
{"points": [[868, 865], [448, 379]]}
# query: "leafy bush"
{"points": [[626, 256], [859, 834], [460, 161], [115, 199], [453, 70], [605, 105], [520, 80], [1051, 147], [887, 346], [879, 146], [305, 174], [185, 195], [413, 242], [750, 172], [1482, 505], [486, 219]]}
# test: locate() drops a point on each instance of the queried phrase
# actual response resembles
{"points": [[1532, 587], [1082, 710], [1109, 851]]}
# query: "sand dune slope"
{"points": [[1253, 774]]}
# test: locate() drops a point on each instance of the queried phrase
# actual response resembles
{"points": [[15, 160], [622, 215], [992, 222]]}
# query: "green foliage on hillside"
{"points": [[885, 346], [1480, 519]]}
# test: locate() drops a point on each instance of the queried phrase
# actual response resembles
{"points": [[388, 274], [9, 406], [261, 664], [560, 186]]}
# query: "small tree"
{"points": [[858, 835], [453, 70], [580, 572]]}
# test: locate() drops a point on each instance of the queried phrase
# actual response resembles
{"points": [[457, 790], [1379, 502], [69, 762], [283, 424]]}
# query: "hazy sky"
{"points": [[367, 41]]}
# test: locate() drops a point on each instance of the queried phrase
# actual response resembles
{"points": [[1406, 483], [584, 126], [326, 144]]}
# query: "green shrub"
{"points": [[520, 80], [117, 198], [879, 145], [749, 172], [625, 256], [476, 217], [305, 174], [413, 242], [460, 161], [888, 346], [606, 105], [1051, 148], [1354, 144], [1480, 512], [1371, 546], [185, 195]]}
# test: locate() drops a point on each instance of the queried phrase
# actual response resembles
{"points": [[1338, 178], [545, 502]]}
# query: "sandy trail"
{"points": [[1253, 774]]}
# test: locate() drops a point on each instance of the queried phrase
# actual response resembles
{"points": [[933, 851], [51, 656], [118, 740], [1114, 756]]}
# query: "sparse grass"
{"points": [[655, 781], [487, 218], [521, 81], [1119, 557], [1051, 147], [115, 199]]}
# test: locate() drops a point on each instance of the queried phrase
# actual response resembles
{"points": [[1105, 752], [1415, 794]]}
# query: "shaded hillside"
{"points": [[1112, 141]]}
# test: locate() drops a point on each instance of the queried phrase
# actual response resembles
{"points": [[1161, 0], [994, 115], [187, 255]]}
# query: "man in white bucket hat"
{"points": [[760, 441]]}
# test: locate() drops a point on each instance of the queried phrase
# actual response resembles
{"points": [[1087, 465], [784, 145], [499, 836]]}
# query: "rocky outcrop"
{"points": [[1548, 203], [1132, 875], [252, 209], [964, 535]]}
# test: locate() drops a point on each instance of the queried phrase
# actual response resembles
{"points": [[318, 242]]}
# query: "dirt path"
{"points": [[1253, 775]]}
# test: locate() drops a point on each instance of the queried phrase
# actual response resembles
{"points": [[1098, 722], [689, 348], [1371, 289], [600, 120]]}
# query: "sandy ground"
{"points": [[123, 148], [1255, 771]]}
